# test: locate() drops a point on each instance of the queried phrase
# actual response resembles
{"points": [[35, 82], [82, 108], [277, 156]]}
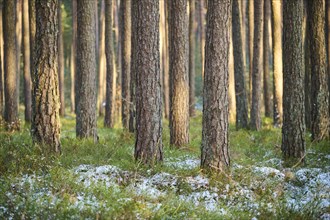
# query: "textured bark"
{"points": [[277, 62], [319, 84], [125, 8], [18, 43], [266, 56], [134, 43], [166, 83], [243, 4], [45, 129], [293, 131], [202, 34], [191, 57], [10, 66], [148, 144], [102, 61], [73, 57], [255, 122], [214, 148], [179, 78], [328, 43], [26, 61], [86, 120], [110, 91], [61, 60], [1, 65], [251, 29], [32, 29], [117, 56], [240, 93]]}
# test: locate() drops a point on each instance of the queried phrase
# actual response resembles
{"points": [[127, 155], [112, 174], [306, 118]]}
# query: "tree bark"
{"points": [[293, 131], [214, 148], [148, 144], [179, 78], [319, 84], [308, 71], [166, 86], [86, 120], [18, 43], [102, 61], [202, 34], [1, 66], [10, 66], [73, 57], [110, 91], [134, 43], [255, 122], [125, 8], [191, 57], [251, 29], [45, 129], [277, 62], [26, 60], [266, 56], [61, 60], [240, 93]]}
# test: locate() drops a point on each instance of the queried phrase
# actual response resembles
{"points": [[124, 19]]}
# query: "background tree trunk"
{"points": [[1, 65], [241, 99], [73, 56], [10, 66], [179, 78], [86, 67], [293, 131], [110, 92], [319, 84], [255, 122], [18, 44], [202, 33], [101, 61], [266, 56], [214, 148], [148, 144], [192, 57], [125, 14], [61, 60], [277, 61], [251, 30], [134, 42], [45, 127], [26, 53]]}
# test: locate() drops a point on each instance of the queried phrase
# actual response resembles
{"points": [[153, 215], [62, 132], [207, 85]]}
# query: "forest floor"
{"points": [[102, 181]]}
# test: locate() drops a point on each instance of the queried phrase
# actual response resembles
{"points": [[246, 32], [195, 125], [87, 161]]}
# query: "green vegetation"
{"points": [[36, 186]]}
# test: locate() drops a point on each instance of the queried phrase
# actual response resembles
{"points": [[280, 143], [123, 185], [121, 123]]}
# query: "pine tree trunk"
{"points": [[255, 122], [134, 42], [251, 29], [26, 60], [73, 57], [319, 84], [148, 145], [61, 60], [110, 92], [191, 57], [1, 65], [10, 66], [125, 8], [45, 129], [18, 43], [86, 120], [266, 55], [179, 75], [277, 62], [328, 44], [240, 93], [214, 148], [202, 34], [293, 131], [166, 61], [102, 61], [32, 27]]}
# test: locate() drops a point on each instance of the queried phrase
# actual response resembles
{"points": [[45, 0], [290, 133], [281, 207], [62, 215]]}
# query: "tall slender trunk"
{"points": [[134, 42], [251, 40], [18, 43], [26, 61], [215, 153], [166, 79], [102, 61], [240, 93], [10, 66], [192, 57], [202, 34], [308, 70], [277, 62], [231, 80], [73, 57], [61, 60], [293, 131], [255, 122], [45, 128], [1, 65]]}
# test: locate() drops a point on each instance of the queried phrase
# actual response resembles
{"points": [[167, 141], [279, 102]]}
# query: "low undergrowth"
{"points": [[102, 180]]}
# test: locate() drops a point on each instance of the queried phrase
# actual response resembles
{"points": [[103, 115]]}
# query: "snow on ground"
{"points": [[307, 187]]}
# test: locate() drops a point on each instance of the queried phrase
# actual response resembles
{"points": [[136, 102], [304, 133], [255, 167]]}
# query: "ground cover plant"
{"points": [[102, 180]]}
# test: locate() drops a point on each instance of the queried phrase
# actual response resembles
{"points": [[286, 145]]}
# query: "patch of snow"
{"points": [[325, 216], [183, 163], [207, 199]]}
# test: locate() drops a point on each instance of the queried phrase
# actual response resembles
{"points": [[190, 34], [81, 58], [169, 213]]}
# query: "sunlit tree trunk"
{"points": [[293, 131], [255, 122], [251, 32], [240, 93], [45, 129], [61, 60], [319, 83], [134, 42], [202, 34], [125, 33], [26, 61], [148, 144], [86, 120], [191, 57], [18, 43], [214, 147], [101, 61], [179, 74], [10, 66], [308, 70], [266, 56], [73, 57], [110, 91]]}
